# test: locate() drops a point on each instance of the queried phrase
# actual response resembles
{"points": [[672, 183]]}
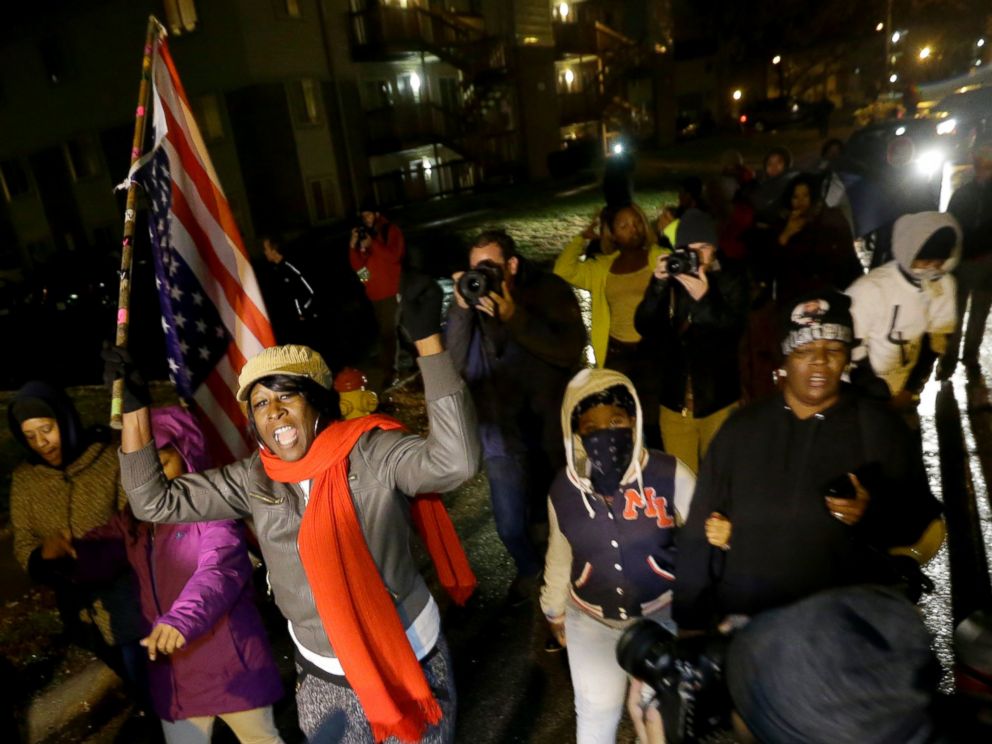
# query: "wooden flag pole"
{"points": [[124, 295]]}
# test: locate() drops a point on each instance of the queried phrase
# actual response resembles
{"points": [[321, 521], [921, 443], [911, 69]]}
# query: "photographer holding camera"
{"points": [[516, 335], [376, 251], [692, 317]]}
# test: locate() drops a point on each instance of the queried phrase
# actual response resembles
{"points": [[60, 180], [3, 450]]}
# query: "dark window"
{"points": [[323, 205], [83, 156], [206, 109], [14, 179]]}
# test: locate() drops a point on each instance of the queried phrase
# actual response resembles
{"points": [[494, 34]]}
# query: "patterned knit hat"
{"points": [[818, 315], [292, 360]]}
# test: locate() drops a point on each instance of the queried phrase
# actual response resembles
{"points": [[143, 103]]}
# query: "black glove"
{"points": [[118, 364], [420, 305]]}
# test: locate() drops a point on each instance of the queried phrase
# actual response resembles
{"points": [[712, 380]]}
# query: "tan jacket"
{"points": [[86, 494]]}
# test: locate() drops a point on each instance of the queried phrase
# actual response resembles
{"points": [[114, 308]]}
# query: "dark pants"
{"points": [[629, 359], [512, 507], [385, 317], [974, 281]]}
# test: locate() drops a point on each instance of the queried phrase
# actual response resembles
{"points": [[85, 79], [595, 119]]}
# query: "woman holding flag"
{"points": [[327, 500]]}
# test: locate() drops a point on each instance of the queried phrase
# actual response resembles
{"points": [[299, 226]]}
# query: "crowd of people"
{"points": [[739, 458]]}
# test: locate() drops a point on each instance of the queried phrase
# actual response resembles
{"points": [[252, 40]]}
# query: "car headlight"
{"points": [[929, 162], [947, 126]]}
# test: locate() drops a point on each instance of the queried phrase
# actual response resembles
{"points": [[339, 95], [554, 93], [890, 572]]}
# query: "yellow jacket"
{"points": [[591, 275]]}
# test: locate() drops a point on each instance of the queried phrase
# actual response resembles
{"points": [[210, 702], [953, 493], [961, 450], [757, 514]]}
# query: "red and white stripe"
{"points": [[205, 234]]}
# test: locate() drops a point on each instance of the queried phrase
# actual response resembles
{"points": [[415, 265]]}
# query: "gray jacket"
{"points": [[382, 467]]}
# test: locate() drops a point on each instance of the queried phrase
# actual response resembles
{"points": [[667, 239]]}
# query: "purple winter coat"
{"points": [[196, 578]]}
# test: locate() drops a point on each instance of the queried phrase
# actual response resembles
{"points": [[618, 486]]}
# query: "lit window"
{"points": [[180, 15], [304, 99]]}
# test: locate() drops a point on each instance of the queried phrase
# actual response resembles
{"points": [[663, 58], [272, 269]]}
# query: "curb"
{"points": [[56, 709]]}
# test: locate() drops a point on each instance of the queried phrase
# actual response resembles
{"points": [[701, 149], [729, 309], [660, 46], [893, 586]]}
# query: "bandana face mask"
{"points": [[927, 275], [609, 452]]}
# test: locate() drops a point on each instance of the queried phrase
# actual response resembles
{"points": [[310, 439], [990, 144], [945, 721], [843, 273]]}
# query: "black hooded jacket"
{"points": [[75, 439]]}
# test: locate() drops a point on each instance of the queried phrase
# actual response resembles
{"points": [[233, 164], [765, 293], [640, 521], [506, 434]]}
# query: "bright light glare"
{"points": [[737, 94], [427, 166], [895, 37], [947, 126], [929, 162], [900, 131], [569, 76], [414, 82], [776, 59], [981, 42], [893, 78], [617, 148], [563, 11], [879, 26], [925, 52]]}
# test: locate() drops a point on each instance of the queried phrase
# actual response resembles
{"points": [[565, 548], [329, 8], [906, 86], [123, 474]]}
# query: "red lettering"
{"points": [[661, 508], [632, 502]]}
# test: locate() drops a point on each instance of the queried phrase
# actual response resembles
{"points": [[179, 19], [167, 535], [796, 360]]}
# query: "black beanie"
{"points": [[846, 665], [817, 315], [939, 245], [695, 226]]}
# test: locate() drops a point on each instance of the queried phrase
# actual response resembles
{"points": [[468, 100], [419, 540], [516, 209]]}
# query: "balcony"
{"points": [[580, 106], [386, 33], [588, 38], [419, 184], [409, 125]]}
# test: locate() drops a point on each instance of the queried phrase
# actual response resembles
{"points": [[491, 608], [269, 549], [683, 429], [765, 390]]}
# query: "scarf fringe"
{"points": [[418, 717]]}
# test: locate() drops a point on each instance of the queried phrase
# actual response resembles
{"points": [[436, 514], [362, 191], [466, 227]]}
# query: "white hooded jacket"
{"points": [[892, 313]]}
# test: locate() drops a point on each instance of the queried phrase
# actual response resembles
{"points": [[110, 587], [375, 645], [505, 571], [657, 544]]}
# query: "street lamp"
{"points": [[737, 94], [895, 37], [563, 11], [925, 53], [777, 62], [879, 26], [980, 43], [893, 78]]}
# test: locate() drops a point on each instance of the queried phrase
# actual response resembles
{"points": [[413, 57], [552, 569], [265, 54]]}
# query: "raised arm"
{"points": [[571, 268]]}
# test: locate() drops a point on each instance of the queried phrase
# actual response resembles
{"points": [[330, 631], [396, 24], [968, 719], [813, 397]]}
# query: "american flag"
{"points": [[212, 310]]}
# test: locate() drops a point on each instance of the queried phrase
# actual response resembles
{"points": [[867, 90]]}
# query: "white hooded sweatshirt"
{"points": [[892, 313]]}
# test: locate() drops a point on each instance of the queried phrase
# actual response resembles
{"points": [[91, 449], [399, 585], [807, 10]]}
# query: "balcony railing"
{"points": [[385, 31], [588, 38], [418, 184], [580, 106], [407, 125]]}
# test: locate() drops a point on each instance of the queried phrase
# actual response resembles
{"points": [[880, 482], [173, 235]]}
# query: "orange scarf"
{"points": [[356, 610]]}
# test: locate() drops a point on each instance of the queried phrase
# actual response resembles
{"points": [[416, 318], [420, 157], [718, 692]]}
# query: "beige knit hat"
{"points": [[297, 361]]}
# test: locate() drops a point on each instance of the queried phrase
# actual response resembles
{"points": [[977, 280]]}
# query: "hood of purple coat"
{"points": [[174, 426]]}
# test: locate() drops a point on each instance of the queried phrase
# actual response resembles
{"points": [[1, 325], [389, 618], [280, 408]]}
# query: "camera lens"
{"points": [[674, 265], [645, 651]]}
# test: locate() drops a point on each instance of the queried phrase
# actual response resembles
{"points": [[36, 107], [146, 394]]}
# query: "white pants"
{"points": [[256, 726], [600, 683]]}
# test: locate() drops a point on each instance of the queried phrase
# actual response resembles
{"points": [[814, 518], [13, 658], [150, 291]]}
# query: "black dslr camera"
{"points": [[682, 261], [476, 283], [685, 673]]}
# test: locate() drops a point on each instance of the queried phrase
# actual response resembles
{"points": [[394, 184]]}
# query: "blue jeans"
{"points": [[510, 498]]}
